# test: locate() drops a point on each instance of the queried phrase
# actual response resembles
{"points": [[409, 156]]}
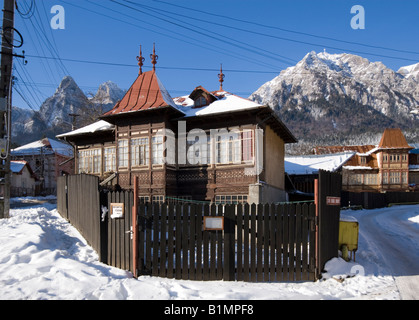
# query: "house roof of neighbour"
{"points": [[146, 93], [393, 139], [17, 166], [366, 149], [311, 164], [416, 148], [44, 146], [98, 126]]}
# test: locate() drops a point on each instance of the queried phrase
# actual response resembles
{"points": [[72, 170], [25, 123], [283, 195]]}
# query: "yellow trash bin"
{"points": [[348, 235]]}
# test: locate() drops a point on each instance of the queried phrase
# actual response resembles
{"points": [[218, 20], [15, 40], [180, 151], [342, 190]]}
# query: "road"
{"points": [[395, 241]]}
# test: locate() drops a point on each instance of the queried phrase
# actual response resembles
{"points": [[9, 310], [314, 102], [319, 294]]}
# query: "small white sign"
{"points": [[117, 210], [213, 223]]}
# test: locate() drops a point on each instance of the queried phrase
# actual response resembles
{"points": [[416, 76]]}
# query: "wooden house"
{"points": [[24, 181], [380, 168], [48, 159], [206, 146]]}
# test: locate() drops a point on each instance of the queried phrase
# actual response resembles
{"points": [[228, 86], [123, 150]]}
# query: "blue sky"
{"points": [[254, 40]]}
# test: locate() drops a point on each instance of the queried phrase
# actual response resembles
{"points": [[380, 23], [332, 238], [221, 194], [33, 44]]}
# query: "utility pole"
{"points": [[6, 104]]}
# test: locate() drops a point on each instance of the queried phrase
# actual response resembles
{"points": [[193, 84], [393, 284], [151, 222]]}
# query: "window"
{"points": [[247, 145], [157, 149], [404, 177], [370, 179], [355, 179], [123, 153], [158, 199], [143, 199], [90, 161], [385, 177], [200, 102], [363, 160], [231, 199], [199, 151], [228, 148], [139, 151], [110, 159], [394, 177]]}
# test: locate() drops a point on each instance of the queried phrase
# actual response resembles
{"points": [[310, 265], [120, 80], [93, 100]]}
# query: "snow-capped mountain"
{"points": [[328, 95], [411, 71], [54, 117], [108, 93], [67, 99]]}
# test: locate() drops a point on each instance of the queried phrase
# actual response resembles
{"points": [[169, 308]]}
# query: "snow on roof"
{"points": [[100, 125], [44, 146], [16, 166], [313, 163], [226, 102], [357, 168]]}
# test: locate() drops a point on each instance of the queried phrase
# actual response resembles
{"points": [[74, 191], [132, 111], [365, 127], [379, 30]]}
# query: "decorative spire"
{"points": [[154, 57], [221, 77], [140, 60]]}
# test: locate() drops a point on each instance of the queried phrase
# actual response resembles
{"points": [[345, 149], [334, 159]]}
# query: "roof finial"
{"points": [[221, 77], [154, 57], [140, 60]]}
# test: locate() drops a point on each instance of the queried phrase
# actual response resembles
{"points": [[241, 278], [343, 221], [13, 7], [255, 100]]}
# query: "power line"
{"points": [[264, 34], [159, 11], [287, 30], [160, 67], [197, 43], [192, 29]]}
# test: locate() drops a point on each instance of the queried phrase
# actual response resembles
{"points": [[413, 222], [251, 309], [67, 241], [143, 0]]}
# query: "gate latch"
{"points": [[131, 232]]}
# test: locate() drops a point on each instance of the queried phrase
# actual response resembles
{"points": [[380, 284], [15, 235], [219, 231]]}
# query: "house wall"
{"points": [[274, 154], [23, 183]]}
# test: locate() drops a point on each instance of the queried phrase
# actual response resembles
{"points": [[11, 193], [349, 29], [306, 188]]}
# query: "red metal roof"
{"points": [[146, 92], [393, 138]]}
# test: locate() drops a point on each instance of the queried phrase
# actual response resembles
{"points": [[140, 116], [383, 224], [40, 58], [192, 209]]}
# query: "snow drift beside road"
{"points": [[44, 257]]}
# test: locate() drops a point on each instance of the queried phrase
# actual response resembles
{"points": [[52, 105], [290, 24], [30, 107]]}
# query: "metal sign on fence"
{"points": [[333, 201], [117, 210], [213, 223]]}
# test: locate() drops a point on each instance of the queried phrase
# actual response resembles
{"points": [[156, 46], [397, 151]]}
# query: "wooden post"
{"points": [[6, 95], [316, 202], [135, 229], [229, 242]]}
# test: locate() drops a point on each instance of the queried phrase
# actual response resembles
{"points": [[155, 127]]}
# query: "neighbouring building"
{"points": [[303, 170], [381, 168], [414, 167], [207, 146], [23, 181], [48, 159]]}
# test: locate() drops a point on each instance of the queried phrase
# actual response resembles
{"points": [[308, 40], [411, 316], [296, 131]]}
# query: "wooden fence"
{"points": [[78, 201], [272, 242], [258, 243]]}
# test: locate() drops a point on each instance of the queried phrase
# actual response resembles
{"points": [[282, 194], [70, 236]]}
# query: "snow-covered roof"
{"points": [[311, 164], [98, 126], [226, 102], [44, 146], [16, 166], [357, 168]]}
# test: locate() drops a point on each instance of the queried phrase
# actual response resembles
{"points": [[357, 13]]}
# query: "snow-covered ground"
{"points": [[44, 257]]}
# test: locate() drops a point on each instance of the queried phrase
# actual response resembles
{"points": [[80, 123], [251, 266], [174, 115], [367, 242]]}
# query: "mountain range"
{"points": [[343, 98], [324, 99], [54, 116]]}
